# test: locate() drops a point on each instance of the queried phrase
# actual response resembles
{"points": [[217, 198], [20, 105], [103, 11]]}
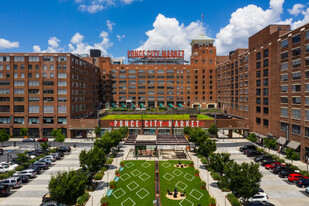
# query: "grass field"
{"points": [[136, 185], [184, 180], [155, 117]]}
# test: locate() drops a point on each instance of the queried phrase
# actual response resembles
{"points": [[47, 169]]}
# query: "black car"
{"points": [[266, 162], [1, 151], [278, 168], [249, 146], [4, 190], [35, 168], [42, 165], [302, 182], [251, 153], [64, 149], [255, 203], [262, 157], [286, 172], [24, 178]]}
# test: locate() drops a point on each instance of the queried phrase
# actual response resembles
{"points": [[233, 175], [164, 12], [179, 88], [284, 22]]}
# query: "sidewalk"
{"points": [[211, 184], [109, 175], [70, 140]]}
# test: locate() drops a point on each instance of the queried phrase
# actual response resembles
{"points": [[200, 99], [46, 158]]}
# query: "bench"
{"points": [[109, 192], [121, 169], [116, 179]]}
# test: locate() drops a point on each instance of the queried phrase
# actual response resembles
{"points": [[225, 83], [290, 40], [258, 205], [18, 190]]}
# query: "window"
{"points": [[265, 63], [284, 112], [62, 91], [258, 109], [33, 83], [258, 65], [48, 83], [5, 99], [296, 52], [265, 53], [33, 99], [48, 99], [296, 88], [19, 108], [4, 91], [62, 75], [48, 120], [48, 58], [62, 99], [307, 34], [265, 101], [284, 66], [265, 91], [295, 129], [19, 91], [62, 109], [34, 109], [258, 120], [19, 59], [265, 122], [62, 59], [296, 113], [284, 126], [258, 100], [19, 120], [4, 58], [307, 115], [48, 91], [307, 100], [265, 82], [48, 109], [62, 83], [296, 75], [284, 100], [296, 63], [307, 87], [296, 100], [284, 77], [284, 55], [62, 120], [296, 39], [284, 43], [34, 120], [258, 55]]}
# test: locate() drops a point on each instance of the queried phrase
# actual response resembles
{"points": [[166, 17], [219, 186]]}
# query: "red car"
{"points": [[272, 165], [44, 139], [295, 176]]}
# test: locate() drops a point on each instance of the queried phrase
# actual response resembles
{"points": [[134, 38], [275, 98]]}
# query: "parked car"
{"points": [[286, 172], [52, 203], [255, 203], [266, 162], [28, 140], [295, 176], [252, 153], [24, 178], [307, 190], [13, 182], [262, 157], [1, 151], [249, 146], [50, 157], [57, 156], [302, 182], [46, 197], [35, 168], [42, 165], [64, 149], [272, 165], [31, 173], [4, 190], [11, 166], [3, 168], [43, 139], [279, 168], [45, 160], [247, 150], [262, 197]]}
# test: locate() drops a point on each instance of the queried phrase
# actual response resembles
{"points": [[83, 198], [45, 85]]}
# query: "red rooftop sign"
{"points": [[165, 54]]}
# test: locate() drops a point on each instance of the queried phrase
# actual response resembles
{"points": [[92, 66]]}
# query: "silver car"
{"points": [[29, 172], [13, 182]]}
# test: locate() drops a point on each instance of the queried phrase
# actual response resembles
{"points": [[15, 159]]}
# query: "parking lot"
{"points": [[31, 193], [280, 190]]}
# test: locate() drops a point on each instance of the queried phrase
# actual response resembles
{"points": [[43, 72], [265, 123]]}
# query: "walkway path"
{"points": [[108, 176]]}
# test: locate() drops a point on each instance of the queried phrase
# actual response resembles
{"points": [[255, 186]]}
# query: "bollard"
{"points": [[14, 144]]}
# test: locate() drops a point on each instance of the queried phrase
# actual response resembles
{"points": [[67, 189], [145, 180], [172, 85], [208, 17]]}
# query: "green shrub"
{"points": [[32, 161], [215, 175], [112, 183], [82, 199], [292, 166], [53, 150], [305, 173], [191, 163], [203, 160], [98, 176], [203, 184], [112, 156], [20, 168], [199, 156], [122, 163], [4, 175], [109, 161], [104, 200], [196, 171], [233, 200], [211, 201]]}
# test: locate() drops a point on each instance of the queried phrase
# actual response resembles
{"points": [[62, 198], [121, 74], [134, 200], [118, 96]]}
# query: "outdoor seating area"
{"points": [[146, 152], [180, 165], [175, 195]]}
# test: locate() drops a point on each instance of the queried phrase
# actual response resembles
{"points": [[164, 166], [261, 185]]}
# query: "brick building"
{"points": [[45, 91], [162, 83], [277, 59]]}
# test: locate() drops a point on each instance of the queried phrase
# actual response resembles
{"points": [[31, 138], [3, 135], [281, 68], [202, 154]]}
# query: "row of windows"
{"points": [[295, 88], [33, 120], [32, 58], [296, 129]]}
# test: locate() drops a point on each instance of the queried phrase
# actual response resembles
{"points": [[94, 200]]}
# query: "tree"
{"points": [[252, 137], [291, 154], [4, 136], [270, 143], [22, 157], [97, 131], [213, 130], [24, 131], [187, 130], [93, 160], [243, 179], [124, 131], [197, 135], [45, 146], [217, 161], [206, 148], [57, 134], [105, 142], [66, 187]]}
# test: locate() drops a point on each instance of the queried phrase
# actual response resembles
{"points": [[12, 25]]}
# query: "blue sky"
{"points": [[78, 25]]}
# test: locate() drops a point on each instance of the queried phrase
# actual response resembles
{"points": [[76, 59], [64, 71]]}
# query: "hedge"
{"points": [[233, 200]]}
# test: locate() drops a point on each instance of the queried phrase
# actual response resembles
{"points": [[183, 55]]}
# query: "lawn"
{"points": [[155, 117], [184, 180], [136, 185]]}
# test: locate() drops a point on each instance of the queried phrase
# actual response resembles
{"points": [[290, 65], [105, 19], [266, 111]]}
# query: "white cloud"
{"points": [[94, 6], [6, 44], [77, 38], [302, 22], [110, 25], [127, 1], [244, 22], [297, 8], [120, 37], [53, 47], [167, 34], [81, 47]]}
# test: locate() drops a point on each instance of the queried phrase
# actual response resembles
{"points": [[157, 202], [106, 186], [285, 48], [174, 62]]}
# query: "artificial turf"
{"points": [[131, 174], [155, 117], [184, 180]]}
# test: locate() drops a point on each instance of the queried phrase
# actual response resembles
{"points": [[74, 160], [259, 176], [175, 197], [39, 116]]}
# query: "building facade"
{"points": [[45, 91]]}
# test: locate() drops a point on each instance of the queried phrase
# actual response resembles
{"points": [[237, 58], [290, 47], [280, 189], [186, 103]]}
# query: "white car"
{"points": [[3, 168], [50, 157], [29, 172], [261, 197], [307, 189], [11, 166]]}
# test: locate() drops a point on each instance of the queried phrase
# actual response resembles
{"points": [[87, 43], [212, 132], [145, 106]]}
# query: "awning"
{"points": [[293, 144], [281, 140]]}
